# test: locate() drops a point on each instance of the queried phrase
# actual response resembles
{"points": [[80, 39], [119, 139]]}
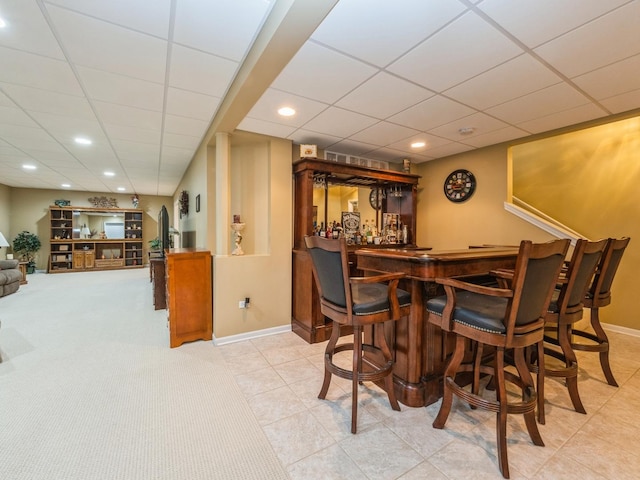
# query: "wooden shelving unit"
{"points": [[306, 319], [71, 253]]}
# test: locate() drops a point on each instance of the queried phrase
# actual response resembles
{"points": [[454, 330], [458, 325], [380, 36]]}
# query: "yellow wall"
{"points": [[588, 180], [29, 211], [483, 219]]}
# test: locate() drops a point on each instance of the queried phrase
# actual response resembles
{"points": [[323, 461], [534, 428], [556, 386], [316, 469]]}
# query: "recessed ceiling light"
{"points": [[121, 189], [418, 144], [109, 174], [82, 141], [286, 111], [65, 185], [29, 167]]}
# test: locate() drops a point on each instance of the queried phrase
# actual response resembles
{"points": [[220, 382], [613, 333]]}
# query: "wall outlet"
{"points": [[242, 304]]}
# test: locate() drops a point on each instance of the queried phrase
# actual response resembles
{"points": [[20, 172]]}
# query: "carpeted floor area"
{"points": [[89, 389]]}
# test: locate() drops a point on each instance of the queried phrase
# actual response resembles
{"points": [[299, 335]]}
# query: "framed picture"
{"points": [[197, 203]]}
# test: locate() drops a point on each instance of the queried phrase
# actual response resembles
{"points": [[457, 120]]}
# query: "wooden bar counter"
{"points": [[421, 349]]}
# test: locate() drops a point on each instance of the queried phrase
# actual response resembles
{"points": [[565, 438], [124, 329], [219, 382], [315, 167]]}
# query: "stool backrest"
{"points": [[600, 290]]}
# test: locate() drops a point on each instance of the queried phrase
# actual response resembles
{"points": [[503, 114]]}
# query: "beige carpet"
{"points": [[89, 389]]}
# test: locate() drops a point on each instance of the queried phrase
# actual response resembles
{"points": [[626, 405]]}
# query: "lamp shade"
{"points": [[3, 241]]}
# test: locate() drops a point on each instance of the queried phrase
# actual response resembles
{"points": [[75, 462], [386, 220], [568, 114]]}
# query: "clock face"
{"points": [[459, 185], [375, 198]]}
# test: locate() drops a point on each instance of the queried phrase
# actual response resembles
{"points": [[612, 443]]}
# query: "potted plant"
{"points": [[26, 245], [155, 244]]}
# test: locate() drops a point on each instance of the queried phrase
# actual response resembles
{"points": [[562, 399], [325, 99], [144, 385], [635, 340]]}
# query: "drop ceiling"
{"points": [[148, 81]]}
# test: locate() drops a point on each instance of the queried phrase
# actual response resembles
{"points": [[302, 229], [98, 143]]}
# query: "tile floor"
{"points": [[281, 376]]}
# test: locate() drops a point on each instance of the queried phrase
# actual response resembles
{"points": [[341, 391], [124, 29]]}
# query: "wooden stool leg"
{"points": [[501, 416], [604, 341], [527, 391], [564, 340], [328, 356], [355, 381], [381, 341], [540, 382], [450, 375]]}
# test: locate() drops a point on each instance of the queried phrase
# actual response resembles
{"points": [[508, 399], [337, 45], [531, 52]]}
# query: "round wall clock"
{"points": [[459, 185], [375, 198]]}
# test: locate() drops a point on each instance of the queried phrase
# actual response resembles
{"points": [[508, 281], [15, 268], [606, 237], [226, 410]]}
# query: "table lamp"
{"points": [[3, 241]]}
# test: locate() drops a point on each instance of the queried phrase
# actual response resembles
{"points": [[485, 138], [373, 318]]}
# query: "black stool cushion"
{"points": [[477, 311], [373, 298]]}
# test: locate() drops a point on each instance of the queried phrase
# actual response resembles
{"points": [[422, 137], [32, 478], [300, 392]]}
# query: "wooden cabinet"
{"points": [[398, 191], [188, 295], [83, 238]]}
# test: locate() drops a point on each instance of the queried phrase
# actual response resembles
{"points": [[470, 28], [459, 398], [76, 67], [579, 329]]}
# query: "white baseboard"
{"points": [[250, 335], [624, 330]]}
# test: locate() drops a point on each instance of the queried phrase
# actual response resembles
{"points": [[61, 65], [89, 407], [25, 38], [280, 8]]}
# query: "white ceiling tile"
{"points": [[477, 45], [611, 80], [128, 116], [363, 30], [4, 100], [451, 148], [180, 141], [266, 128], [431, 141], [224, 27], [570, 116], [306, 137], [122, 90], [599, 41], [134, 14], [27, 29], [621, 103], [339, 74], [479, 122], [384, 95], [539, 21], [104, 46], [494, 137], [431, 113], [383, 133], [65, 128], [339, 122], [16, 116], [38, 100], [11, 133], [517, 77], [191, 104], [185, 126], [200, 72], [267, 108], [125, 148], [556, 98], [133, 134], [36, 71], [351, 147]]}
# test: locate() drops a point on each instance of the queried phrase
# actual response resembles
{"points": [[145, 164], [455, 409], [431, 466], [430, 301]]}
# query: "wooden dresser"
{"points": [[188, 295]]}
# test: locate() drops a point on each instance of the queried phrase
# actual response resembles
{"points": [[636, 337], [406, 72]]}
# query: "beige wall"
{"points": [[29, 210], [264, 273], [5, 217], [443, 224]]}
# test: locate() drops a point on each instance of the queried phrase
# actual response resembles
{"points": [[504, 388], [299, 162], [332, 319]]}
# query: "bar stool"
{"points": [[565, 309], [509, 318], [599, 295], [356, 302]]}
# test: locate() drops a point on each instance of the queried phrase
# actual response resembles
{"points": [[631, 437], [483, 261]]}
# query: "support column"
{"points": [[223, 192]]}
